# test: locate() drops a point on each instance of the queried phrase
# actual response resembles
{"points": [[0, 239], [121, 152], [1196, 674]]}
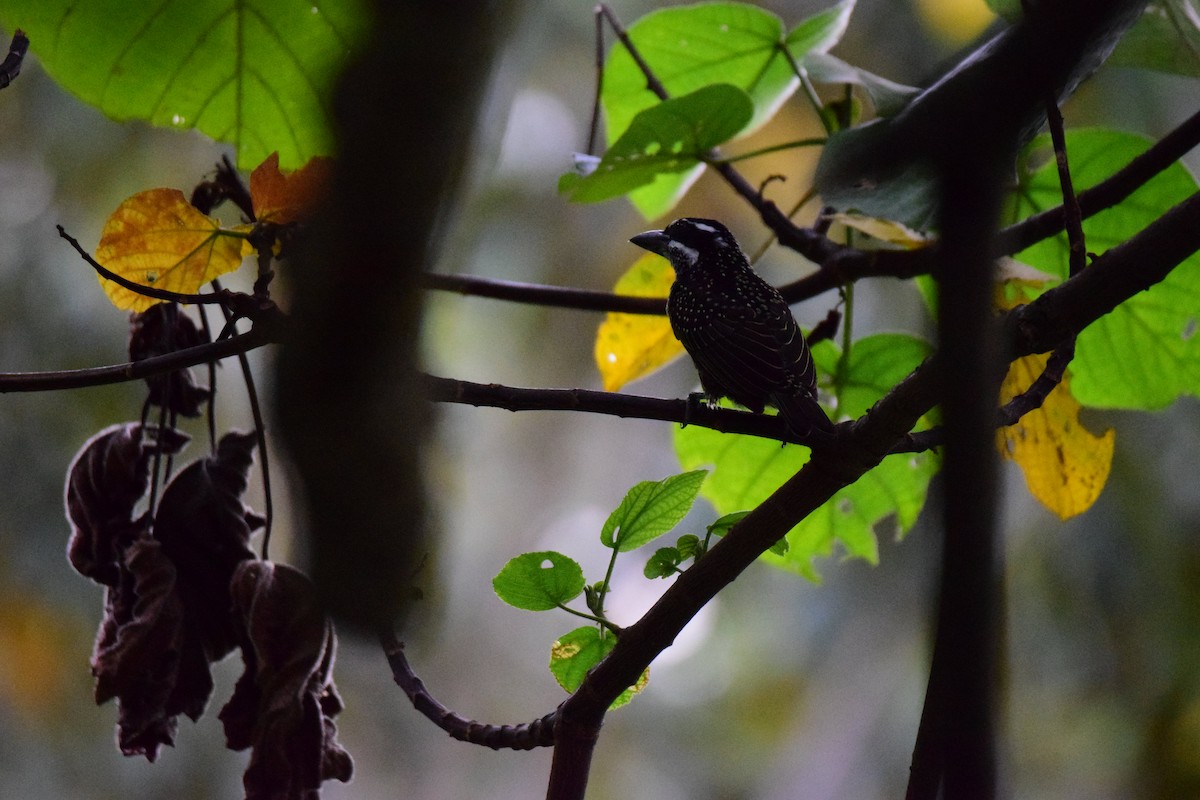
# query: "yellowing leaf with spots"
{"points": [[629, 346], [157, 238], [1065, 464]]}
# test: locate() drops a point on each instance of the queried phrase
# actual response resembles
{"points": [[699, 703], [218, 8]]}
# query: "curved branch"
{"points": [[526, 736], [141, 288]]}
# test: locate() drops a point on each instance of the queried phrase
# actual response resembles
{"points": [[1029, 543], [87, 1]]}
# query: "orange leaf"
{"points": [[629, 346], [157, 238], [283, 197], [1065, 465]]}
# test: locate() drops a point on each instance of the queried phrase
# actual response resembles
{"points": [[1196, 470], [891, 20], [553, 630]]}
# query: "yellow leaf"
{"points": [[629, 346], [1065, 465], [885, 230], [283, 197], [157, 238]]}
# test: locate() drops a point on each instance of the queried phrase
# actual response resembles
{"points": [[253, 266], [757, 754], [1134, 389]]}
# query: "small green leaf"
{"points": [[821, 31], [663, 564], [650, 509], [670, 137], [724, 523], [688, 546], [539, 581], [577, 652]]}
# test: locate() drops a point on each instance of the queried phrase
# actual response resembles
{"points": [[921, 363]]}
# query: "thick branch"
{"points": [[1038, 327]]}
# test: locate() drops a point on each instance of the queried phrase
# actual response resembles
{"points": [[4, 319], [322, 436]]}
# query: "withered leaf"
{"points": [[285, 701], [205, 529], [106, 479], [140, 652], [159, 330]]}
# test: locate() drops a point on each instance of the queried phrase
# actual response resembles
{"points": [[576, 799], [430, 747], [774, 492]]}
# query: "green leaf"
{"points": [[539, 581], [723, 525], [670, 137], [688, 48], [650, 509], [1007, 9], [664, 563], [747, 470], [821, 31], [1166, 38], [725, 522], [888, 97], [1145, 353], [575, 653], [254, 73], [876, 364]]}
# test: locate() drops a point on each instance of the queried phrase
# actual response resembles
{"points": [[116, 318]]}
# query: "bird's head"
{"points": [[689, 241]]}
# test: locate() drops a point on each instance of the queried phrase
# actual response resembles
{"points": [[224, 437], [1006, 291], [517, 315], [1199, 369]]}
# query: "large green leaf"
{"points": [[746, 469], [1145, 353], [254, 73], [1165, 38], [670, 137], [690, 47]]}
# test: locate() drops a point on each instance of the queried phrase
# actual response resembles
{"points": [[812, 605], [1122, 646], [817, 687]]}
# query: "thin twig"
{"points": [[57, 380], [142, 289], [526, 736], [594, 126], [652, 81], [11, 67], [541, 295], [260, 430], [1072, 216]]}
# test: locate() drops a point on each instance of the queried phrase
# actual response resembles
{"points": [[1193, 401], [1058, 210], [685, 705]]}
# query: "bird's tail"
{"points": [[803, 414]]}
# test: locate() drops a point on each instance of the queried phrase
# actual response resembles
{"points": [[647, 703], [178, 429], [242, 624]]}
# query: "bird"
{"points": [[737, 328]]}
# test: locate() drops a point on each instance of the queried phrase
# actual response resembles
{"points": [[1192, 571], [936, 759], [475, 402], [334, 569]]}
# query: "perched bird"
{"points": [[737, 328]]}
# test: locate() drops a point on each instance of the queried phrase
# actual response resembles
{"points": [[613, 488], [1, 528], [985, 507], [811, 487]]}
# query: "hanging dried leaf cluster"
{"points": [[184, 590]]}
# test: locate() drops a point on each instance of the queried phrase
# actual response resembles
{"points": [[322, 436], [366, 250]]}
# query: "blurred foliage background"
{"points": [[779, 689]]}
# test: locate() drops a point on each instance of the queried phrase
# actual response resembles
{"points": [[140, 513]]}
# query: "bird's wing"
{"points": [[743, 356]]}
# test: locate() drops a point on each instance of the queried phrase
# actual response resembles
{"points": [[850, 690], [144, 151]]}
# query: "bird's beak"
{"points": [[654, 241]]}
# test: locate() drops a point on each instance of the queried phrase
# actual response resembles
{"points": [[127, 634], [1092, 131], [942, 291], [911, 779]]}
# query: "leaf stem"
{"points": [[616, 629], [762, 151], [806, 84]]}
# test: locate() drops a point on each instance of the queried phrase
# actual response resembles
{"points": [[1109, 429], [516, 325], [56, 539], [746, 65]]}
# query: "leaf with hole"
{"points": [[539, 581]]}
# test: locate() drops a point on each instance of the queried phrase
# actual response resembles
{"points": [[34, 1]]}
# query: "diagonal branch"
{"points": [[1059, 313]]}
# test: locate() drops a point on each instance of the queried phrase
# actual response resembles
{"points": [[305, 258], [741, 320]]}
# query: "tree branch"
{"points": [[1122, 272], [526, 736], [57, 380], [10, 68]]}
